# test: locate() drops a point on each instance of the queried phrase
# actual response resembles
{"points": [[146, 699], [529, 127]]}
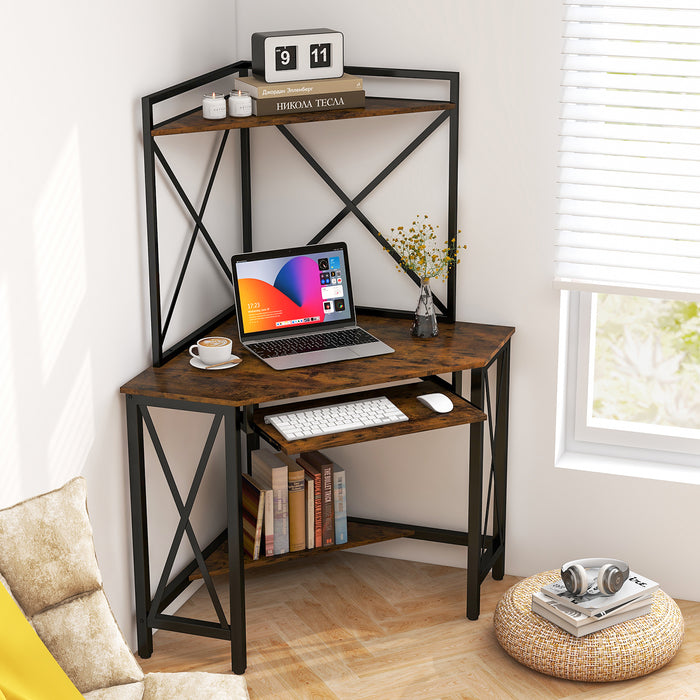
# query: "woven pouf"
{"points": [[626, 650]]}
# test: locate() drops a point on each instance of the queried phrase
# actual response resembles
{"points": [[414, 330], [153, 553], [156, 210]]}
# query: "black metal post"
{"points": [[453, 158], [232, 431], [149, 167], [139, 526], [476, 466], [246, 192], [500, 459]]}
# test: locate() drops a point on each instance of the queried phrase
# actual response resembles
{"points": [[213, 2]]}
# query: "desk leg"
{"points": [[139, 525], [476, 466], [236, 574], [500, 459]]}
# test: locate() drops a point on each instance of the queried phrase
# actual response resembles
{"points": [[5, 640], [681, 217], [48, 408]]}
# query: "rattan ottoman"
{"points": [[627, 650]]}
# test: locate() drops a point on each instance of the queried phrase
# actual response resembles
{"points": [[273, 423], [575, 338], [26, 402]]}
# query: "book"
{"points": [[268, 533], [311, 103], [253, 500], [310, 524], [314, 462], [582, 625], [276, 471], [340, 505], [297, 505], [258, 89], [579, 619], [315, 476], [592, 603]]}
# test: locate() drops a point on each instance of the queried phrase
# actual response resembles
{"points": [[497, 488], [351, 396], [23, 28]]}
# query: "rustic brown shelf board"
{"points": [[374, 107], [358, 534], [459, 346], [420, 418]]}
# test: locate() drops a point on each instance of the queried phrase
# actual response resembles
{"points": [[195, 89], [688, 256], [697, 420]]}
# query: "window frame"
{"points": [[618, 439]]}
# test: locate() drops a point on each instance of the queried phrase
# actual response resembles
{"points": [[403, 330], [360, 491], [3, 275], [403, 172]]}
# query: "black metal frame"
{"points": [[149, 610], [486, 552], [153, 153]]}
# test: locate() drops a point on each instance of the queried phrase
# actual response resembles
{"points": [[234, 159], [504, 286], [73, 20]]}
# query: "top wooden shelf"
{"points": [[194, 122]]}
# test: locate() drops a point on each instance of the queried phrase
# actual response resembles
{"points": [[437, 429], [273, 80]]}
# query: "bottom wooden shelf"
{"points": [[358, 534]]}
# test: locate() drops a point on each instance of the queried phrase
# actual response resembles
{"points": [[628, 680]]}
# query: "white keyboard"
{"points": [[297, 425]]}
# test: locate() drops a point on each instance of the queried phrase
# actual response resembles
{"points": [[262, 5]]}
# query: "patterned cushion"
{"points": [[194, 686], [47, 553], [626, 650], [84, 638]]}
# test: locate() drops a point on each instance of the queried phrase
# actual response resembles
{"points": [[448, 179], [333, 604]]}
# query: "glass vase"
{"points": [[424, 320]]}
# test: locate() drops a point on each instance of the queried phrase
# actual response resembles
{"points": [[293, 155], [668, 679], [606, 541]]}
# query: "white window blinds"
{"points": [[629, 193]]}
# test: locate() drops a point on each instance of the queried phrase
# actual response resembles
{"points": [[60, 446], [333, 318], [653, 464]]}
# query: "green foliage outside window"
{"points": [[647, 361]]}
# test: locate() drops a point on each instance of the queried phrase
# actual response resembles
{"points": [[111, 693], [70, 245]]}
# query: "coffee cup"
{"points": [[212, 350]]}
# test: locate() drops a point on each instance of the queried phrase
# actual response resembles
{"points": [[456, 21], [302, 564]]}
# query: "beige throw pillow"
{"points": [[83, 636], [194, 685], [47, 553]]}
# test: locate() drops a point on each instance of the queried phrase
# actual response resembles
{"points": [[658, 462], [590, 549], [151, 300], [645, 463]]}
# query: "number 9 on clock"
{"points": [[286, 58]]}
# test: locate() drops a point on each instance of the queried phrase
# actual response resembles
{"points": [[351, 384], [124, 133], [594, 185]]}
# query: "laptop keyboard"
{"points": [[311, 343]]}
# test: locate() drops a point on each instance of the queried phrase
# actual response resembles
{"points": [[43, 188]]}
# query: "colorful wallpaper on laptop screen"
{"points": [[293, 299]]}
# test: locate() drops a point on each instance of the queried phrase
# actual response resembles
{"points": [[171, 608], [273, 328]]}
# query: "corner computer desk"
{"points": [[234, 398]]}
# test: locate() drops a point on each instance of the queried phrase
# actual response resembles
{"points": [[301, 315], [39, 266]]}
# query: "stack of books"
{"points": [[316, 95], [291, 503], [581, 615]]}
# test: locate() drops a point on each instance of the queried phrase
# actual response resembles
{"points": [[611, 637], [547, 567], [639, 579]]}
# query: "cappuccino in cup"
{"points": [[212, 350]]}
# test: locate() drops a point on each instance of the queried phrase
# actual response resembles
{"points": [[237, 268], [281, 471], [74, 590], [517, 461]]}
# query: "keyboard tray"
{"points": [[420, 417]]}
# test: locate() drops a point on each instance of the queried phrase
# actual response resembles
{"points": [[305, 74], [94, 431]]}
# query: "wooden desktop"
{"points": [[234, 397]]}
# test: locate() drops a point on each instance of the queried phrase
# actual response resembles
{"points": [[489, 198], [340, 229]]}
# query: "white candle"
{"points": [[214, 106], [239, 104]]}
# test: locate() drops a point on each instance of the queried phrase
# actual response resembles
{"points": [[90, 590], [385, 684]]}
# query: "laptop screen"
{"points": [[288, 291]]}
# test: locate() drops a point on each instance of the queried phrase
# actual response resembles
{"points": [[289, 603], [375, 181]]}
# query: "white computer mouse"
{"points": [[438, 402]]}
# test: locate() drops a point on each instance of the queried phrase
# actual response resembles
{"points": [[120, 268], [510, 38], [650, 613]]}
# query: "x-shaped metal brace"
{"points": [[184, 525], [351, 204]]}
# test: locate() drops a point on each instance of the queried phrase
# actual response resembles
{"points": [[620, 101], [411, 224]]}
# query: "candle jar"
{"points": [[240, 104], [214, 106]]}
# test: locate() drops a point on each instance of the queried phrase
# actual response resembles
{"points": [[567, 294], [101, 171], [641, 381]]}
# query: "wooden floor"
{"points": [[359, 627]]}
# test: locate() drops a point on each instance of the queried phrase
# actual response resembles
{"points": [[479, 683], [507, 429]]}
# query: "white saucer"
{"points": [[233, 361]]}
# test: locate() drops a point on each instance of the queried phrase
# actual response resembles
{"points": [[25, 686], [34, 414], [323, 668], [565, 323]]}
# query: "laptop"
{"points": [[295, 307]]}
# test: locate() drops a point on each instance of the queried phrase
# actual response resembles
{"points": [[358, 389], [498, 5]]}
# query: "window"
{"points": [[628, 240], [637, 380]]}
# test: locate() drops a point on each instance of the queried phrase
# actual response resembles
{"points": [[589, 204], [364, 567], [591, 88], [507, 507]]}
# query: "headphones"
{"points": [[612, 573]]}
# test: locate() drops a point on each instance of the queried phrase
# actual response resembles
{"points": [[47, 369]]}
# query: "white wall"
{"points": [[73, 283], [508, 55]]}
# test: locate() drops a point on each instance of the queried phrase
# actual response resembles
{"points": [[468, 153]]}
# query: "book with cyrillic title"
{"points": [[310, 508], [315, 475], [310, 103], [317, 462], [260, 90]]}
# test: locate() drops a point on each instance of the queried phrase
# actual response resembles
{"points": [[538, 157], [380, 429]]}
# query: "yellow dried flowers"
{"points": [[420, 251]]}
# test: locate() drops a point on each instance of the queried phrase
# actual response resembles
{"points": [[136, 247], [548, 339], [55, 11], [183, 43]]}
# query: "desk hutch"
{"points": [[236, 398]]}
